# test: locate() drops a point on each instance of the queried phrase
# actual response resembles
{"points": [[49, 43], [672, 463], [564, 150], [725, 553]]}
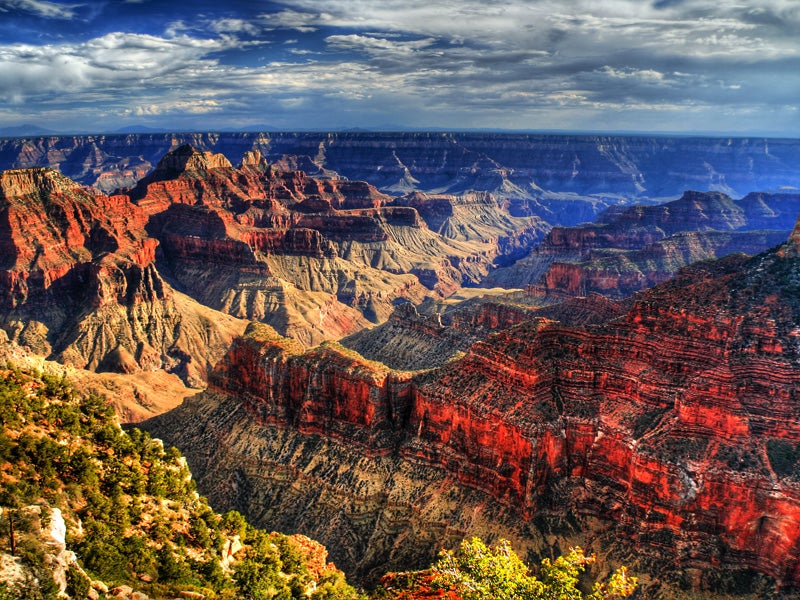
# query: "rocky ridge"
{"points": [[78, 283], [547, 173], [417, 338], [90, 280], [631, 249], [552, 421], [666, 435], [89, 512], [316, 259]]}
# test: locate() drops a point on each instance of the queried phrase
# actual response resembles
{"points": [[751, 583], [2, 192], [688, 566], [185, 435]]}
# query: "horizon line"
{"points": [[143, 130]]}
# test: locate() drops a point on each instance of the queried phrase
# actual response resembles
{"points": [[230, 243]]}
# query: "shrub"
{"points": [[478, 572]]}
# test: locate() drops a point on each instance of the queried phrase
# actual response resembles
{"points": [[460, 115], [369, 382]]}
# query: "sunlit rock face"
{"points": [[317, 259], [630, 249], [668, 436], [79, 283]]}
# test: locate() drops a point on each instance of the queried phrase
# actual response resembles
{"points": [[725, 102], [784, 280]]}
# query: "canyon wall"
{"points": [[93, 280], [551, 175], [78, 283], [668, 437], [629, 249], [316, 258]]}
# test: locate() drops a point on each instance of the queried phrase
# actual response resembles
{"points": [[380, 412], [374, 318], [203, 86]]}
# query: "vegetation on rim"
{"points": [[132, 512]]}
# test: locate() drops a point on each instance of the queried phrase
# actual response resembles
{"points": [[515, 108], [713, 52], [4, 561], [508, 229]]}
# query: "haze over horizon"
{"points": [[666, 66]]}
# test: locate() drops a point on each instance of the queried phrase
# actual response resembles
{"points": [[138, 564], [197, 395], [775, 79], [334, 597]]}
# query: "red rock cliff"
{"points": [[676, 425], [78, 283], [55, 234], [631, 249], [316, 258]]}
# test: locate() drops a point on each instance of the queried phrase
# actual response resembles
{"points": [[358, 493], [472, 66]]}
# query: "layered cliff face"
{"points": [[79, 283], [667, 436], [414, 340], [189, 176], [316, 259], [563, 179], [631, 249]]}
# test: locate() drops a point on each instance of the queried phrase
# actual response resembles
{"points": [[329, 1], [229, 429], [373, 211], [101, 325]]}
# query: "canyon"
{"points": [[646, 436], [590, 172], [628, 249], [78, 284], [628, 385], [163, 276]]}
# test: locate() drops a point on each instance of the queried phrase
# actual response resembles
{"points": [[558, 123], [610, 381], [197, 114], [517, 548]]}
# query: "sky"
{"points": [[728, 67]]}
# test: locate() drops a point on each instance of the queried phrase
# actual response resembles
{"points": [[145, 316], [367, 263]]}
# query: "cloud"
{"points": [[642, 75], [41, 8], [377, 46], [449, 63], [229, 25], [292, 19], [197, 107], [571, 26], [109, 62]]}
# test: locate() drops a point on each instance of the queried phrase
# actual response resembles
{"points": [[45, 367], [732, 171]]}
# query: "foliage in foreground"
{"points": [[143, 524], [132, 512], [480, 572]]}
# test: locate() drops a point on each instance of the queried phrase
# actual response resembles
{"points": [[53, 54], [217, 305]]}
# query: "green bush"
{"points": [[478, 572], [783, 456], [78, 584], [136, 501]]}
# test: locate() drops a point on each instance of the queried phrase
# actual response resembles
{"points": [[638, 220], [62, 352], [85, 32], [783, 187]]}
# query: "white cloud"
{"points": [[106, 63], [229, 25], [292, 19], [377, 45], [642, 75], [746, 28], [197, 107], [293, 102], [455, 59], [42, 8]]}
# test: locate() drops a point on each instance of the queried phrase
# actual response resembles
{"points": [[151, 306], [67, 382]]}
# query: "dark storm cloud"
{"points": [[455, 63]]}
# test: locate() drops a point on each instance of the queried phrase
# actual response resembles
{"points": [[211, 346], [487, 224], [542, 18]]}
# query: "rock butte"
{"points": [[78, 283], [630, 249], [316, 258], [112, 283]]}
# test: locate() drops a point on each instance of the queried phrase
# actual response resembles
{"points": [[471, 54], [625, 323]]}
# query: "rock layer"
{"points": [[79, 283], [631, 249], [317, 259], [670, 432], [559, 172]]}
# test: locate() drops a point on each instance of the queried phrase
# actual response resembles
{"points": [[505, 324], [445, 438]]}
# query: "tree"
{"points": [[256, 580], [5, 593], [478, 572]]}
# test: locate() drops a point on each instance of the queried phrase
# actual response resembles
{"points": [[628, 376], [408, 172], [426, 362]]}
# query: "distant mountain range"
{"points": [[24, 130]]}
